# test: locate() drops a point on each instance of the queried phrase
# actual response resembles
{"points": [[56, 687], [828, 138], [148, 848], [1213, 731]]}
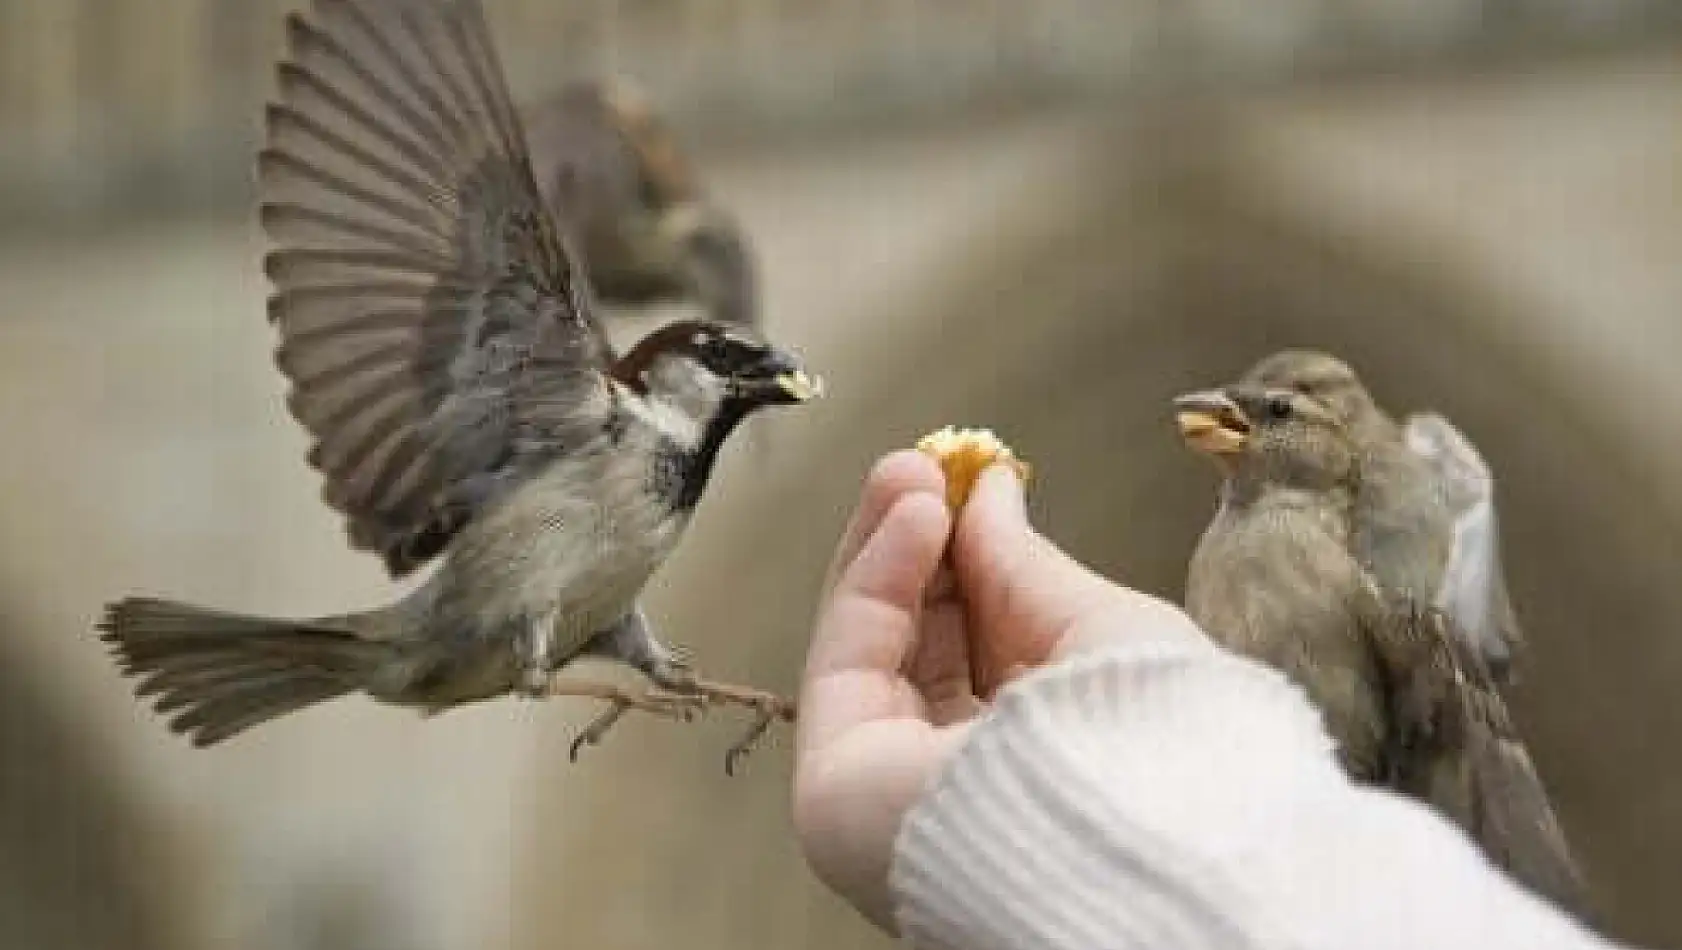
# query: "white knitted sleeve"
{"points": [[1175, 797]]}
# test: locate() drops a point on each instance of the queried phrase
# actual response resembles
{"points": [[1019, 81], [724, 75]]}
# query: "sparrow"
{"points": [[1409, 702], [466, 409], [1425, 522], [615, 179]]}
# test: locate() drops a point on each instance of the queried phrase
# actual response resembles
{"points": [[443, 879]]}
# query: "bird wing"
{"points": [[1474, 587], [436, 334], [1454, 744]]}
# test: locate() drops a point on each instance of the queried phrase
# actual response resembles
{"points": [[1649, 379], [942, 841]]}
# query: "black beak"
{"points": [[779, 378]]}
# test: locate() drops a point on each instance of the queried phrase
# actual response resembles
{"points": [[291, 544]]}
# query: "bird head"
{"points": [[1268, 436], [705, 367], [714, 262], [1323, 377]]}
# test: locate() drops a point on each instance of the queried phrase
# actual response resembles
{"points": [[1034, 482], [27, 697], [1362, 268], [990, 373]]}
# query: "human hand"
{"points": [[890, 689]]}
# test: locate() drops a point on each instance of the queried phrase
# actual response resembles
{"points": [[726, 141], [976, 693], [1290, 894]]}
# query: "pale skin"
{"points": [[889, 694]]}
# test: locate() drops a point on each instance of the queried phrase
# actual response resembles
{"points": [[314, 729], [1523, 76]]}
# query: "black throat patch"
{"points": [[680, 474]]}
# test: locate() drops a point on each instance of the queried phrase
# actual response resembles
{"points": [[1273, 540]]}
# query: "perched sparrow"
{"points": [[1408, 702], [444, 355], [1425, 522], [613, 176]]}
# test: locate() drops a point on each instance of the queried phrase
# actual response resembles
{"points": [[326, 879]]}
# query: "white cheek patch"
{"points": [[682, 397]]}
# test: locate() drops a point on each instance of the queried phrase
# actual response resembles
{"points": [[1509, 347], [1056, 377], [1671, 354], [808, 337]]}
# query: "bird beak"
{"points": [[779, 379], [800, 385], [1211, 422]]}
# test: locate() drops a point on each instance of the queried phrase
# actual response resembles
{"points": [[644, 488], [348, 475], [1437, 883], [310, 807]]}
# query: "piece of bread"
{"points": [[963, 455]]}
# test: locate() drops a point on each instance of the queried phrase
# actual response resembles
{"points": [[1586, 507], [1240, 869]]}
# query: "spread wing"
{"points": [[1453, 743], [1474, 589], [437, 338]]}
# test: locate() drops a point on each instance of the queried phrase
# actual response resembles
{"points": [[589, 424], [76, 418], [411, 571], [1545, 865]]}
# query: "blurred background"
{"points": [[1047, 218]]}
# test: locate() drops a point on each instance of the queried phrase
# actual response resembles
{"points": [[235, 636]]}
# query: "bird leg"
{"points": [[658, 702], [767, 707], [633, 641]]}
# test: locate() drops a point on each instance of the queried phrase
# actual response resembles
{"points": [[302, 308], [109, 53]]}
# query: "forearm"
{"points": [[1175, 796]]}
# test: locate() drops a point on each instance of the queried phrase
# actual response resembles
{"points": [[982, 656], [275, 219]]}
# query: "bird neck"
{"points": [[682, 470], [1247, 490]]}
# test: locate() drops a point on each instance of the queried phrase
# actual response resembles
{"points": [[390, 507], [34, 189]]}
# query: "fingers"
{"points": [[939, 666], [893, 476], [1029, 603], [1023, 594], [868, 624]]}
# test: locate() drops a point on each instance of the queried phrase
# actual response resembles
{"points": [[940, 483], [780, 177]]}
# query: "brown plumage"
{"points": [[464, 404], [1425, 523], [1409, 700], [614, 177]]}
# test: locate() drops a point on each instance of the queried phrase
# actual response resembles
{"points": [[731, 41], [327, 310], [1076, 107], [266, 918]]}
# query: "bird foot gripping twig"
{"points": [[767, 707], [657, 702]]}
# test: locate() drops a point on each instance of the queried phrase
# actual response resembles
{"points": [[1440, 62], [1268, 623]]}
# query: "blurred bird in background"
{"points": [[444, 352], [1326, 561], [616, 181]]}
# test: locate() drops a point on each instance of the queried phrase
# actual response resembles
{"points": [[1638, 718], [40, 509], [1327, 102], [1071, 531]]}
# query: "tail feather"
{"points": [[1516, 824], [213, 719], [203, 692], [203, 682], [204, 673], [227, 672]]}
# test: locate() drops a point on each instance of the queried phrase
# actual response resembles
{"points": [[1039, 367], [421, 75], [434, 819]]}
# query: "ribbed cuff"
{"points": [[1064, 820]]}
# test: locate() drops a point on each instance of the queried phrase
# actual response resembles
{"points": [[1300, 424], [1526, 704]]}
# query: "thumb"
{"points": [[1022, 593]]}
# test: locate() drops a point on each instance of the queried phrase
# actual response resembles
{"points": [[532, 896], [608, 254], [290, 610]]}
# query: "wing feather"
{"points": [[1473, 592], [436, 334]]}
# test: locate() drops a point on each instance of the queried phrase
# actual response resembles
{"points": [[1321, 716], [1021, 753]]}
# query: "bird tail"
{"points": [[1516, 824], [228, 672]]}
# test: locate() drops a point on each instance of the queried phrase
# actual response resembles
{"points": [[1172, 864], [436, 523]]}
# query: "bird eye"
{"points": [[1278, 407]]}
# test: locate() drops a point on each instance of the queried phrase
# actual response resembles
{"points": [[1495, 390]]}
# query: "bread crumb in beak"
{"points": [[963, 455], [1206, 432], [1211, 422], [800, 385]]}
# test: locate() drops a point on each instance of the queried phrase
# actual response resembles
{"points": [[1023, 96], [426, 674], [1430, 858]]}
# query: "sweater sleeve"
{"points": [[1173, 796]]}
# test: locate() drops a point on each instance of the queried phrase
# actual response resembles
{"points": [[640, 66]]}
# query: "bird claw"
{"points": [[684, 699], [767, 707], [735, 754], [724, 694], [683, 707], [678, 706]]}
